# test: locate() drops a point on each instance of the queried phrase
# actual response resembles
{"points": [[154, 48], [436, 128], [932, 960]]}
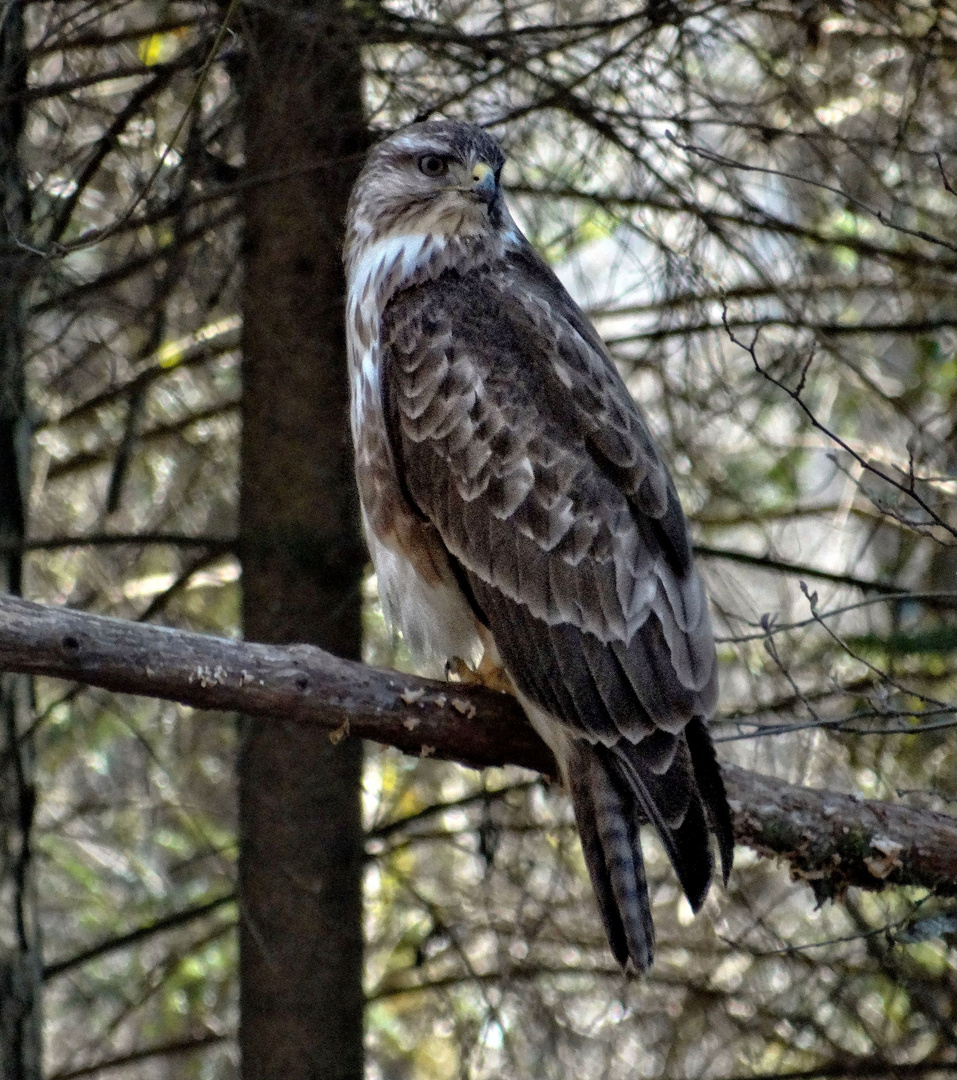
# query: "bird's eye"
{"points": [[433, 165]]}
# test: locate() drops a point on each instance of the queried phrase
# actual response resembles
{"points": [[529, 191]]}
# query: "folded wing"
{"points": [[514, 435]]}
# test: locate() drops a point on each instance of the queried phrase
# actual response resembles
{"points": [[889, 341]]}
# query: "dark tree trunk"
{"points": [[20, 960], [301, 845]]}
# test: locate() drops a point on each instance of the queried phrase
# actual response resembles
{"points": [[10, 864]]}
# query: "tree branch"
{"points": [[133, 937], [704, 551], [168, 1049], [830, 840]]}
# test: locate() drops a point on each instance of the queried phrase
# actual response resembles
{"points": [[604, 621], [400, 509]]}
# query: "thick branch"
{"points": [[299, 683], [830, 840]]}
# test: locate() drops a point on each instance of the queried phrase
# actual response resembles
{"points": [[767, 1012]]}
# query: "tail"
{"points": [[671, 781]]}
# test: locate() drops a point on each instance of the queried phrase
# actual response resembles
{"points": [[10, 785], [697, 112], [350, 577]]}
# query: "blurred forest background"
{"points": [[757, 203]]}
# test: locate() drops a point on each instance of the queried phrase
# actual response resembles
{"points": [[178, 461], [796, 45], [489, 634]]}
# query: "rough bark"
{"points": [[20, 960], [830, 840], [301, 854]]}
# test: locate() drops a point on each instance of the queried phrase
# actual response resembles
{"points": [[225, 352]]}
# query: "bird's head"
{"points": [[439, 178]]}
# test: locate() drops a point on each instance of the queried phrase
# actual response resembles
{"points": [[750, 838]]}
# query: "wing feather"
{"points": [[516, 437], [555, 497]]}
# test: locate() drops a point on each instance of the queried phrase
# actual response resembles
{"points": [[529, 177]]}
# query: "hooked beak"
{"points": [[484, 185]]}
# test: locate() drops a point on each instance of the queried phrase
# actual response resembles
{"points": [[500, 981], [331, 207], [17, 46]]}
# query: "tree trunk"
{"points": [[21, 963], [301, 844]]}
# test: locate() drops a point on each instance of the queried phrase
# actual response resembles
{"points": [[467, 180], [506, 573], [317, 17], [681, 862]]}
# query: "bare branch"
{"points": [[831, 840], [101, 540], [193, 356], [101, 40], [766, 562], [704, 551], [794, 393], [160, 77], [884, 219], [134, 937], [168, 1049], [91, 458]]}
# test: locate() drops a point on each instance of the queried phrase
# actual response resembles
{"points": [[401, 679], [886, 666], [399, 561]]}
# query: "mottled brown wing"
{"points": [[515, 436]]}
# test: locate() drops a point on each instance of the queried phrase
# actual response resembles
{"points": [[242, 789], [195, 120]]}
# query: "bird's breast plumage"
{"points": [[419, 593]]}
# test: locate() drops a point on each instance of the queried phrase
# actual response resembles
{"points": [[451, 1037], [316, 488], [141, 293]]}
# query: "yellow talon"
{"points": [[487, 673]]}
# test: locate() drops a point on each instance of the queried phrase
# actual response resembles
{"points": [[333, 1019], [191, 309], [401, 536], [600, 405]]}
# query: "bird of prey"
{"points": [[519, 515]]}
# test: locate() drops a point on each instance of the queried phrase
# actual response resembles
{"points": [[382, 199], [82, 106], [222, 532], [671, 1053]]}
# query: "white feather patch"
{"points": [[435, 619], [372, 279]]}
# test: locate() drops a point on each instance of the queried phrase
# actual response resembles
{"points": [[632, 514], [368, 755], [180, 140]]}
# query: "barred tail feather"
{"points": [[672, 804], [614, 791], [608, 826], [670, 781]]}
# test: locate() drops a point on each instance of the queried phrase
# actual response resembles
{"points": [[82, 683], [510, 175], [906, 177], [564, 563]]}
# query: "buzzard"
{"points": [[519, 515]]}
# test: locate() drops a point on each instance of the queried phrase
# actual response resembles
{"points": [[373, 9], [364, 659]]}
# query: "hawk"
{"points": [[519, 515]]}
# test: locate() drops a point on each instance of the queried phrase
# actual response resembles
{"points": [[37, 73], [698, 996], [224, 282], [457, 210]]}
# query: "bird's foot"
{"points": [[487, 673]]}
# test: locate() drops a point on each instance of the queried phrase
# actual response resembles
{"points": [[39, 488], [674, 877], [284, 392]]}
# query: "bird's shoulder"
{"points": [[510, 327]]}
